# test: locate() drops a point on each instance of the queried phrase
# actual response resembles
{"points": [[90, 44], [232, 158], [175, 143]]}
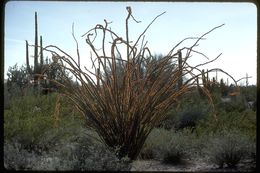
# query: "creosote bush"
{"points": [[124, 109]]}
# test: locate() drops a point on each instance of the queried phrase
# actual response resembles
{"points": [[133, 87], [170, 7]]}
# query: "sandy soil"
{"points": [[197, 165]]}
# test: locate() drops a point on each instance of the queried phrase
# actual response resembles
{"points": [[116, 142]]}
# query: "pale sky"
{"points": [[236, 40]]}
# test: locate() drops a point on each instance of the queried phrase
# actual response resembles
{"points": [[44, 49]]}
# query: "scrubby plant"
{"points": [[32, 142], [156, 138], [228, 148], [7, 97], [180, 147], [96, 157], [244, 121], [79, 152], [236, 104], [123, 116], [190, 110], [17, 81], [169, 146], [189, 118], [30, 122], [250, 92], [17, 158]]}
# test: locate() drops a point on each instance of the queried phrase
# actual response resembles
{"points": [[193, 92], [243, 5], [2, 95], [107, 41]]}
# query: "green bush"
{"points": [[17, 80], [244, 121], [32, 142], [229, 148], [29, 121]]}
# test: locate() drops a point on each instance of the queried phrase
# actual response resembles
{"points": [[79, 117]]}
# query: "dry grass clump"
{"points": [[124, 109]]}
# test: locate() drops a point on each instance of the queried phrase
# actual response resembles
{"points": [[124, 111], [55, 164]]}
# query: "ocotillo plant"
{"points": [[123, 114]]}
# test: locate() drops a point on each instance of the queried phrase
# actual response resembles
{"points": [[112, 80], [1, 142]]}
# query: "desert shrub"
{"points": [[177, 149], [27, 119], [34, 143], [17, 158], [237, 103], [26, 131], [228, 148], [30, 122], [80, 152], [84, 153], [192, 108], [189, 118], [250, 92], [7, 97], [97, 157], [17, 80], [244, 121], [169, 146]]}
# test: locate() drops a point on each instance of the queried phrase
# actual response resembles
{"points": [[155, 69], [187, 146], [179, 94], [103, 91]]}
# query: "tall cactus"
{"points": [[203, 78], [37, 67], [36, 45], [39, 64], [41, 53], [29, 70]]}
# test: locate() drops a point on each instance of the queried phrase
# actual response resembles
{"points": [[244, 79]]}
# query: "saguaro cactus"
{"points": [[38, 66], [41, 54], [27, 58], [36, 45]]}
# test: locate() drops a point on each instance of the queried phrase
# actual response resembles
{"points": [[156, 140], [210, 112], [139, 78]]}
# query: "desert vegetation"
{"points": [[132, 106]]}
